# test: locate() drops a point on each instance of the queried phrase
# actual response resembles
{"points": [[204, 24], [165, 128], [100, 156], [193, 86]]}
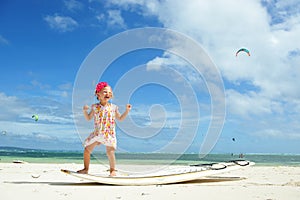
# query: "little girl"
{"points": [[104, 114]]}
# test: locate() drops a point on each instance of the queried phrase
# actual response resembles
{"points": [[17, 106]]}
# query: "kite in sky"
{"points": [[35, 117], [244, 50]]}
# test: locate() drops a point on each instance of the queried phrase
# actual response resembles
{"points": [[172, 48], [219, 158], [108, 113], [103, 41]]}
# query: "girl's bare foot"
{"points": [[83, 171], [112, 172]]}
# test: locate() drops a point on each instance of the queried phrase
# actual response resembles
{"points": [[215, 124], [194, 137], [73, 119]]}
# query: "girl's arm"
{"points": [[87, 116], [124, 115]]}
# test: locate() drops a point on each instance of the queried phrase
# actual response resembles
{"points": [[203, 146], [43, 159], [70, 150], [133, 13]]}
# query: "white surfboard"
{"points": [[172, 175]]}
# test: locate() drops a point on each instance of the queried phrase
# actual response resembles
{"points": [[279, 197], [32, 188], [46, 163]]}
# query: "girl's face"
{"points": [[104, 95]]}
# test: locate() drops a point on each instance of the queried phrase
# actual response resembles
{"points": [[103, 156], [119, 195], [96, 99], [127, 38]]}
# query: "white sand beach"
{"points": [[46, 181]]}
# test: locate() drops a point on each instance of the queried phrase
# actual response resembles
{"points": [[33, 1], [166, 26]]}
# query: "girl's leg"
{"points": [[110, 152], [86, 157]]}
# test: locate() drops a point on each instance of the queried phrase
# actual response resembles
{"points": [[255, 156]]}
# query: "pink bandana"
{"points": [[100, 86]]}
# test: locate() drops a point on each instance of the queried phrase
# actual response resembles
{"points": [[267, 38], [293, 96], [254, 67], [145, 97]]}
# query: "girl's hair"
{"points": [[100, 86]]}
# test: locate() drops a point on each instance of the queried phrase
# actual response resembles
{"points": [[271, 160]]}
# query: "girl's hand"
{"points": [[85, 107], [123, 116], [87, 115], [128, 107]]}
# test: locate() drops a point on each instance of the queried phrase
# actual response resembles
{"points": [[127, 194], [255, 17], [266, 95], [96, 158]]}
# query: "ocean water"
{"points": [[10, 154]]}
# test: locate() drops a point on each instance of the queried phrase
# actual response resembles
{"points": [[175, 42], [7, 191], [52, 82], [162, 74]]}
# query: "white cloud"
{"points": [[36, 135], [61, 23], [262, 87], [115, 19], [156, 64], [282, 11], [277, 134], [57, 93], [37, 84], [224, 26], [249, 104], [3, 40], [66, 86], [49, 110], [12, 108], [73, 5], [187, 72], [55, 120], [100, 17], [62, 91]]}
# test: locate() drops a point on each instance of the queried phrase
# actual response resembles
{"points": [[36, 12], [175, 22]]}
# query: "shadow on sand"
{"points": [[198, 181]]}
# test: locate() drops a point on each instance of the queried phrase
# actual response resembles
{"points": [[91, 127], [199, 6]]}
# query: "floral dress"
{"points": [[105, 126]]}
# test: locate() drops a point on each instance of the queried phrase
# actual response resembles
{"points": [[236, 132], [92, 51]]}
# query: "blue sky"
{"points": [[44, 44]]}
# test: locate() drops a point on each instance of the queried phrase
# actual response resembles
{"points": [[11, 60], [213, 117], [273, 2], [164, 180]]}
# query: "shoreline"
{"points": [[44, 180], [148, 159], [104, 161], [8, 154]]}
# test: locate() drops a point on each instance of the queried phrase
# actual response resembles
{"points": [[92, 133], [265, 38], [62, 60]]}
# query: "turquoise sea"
{"points": [[10, 154]]}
